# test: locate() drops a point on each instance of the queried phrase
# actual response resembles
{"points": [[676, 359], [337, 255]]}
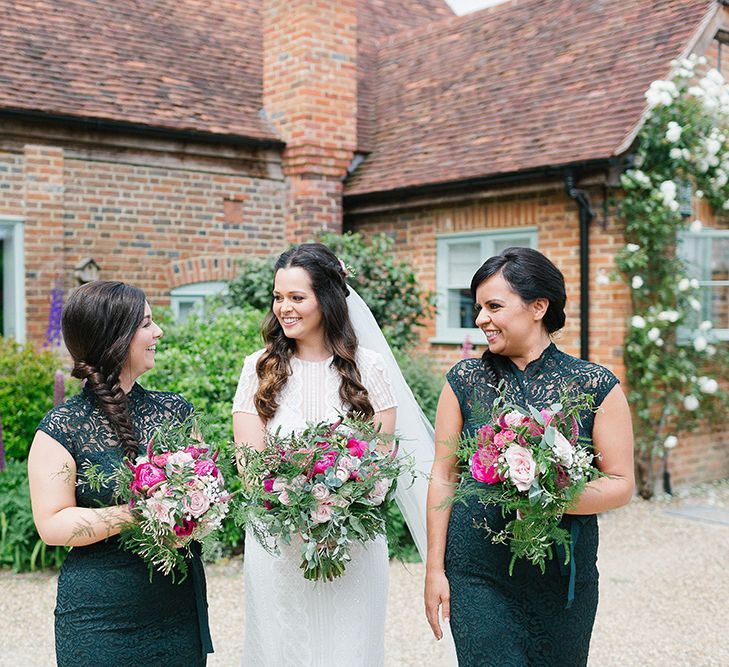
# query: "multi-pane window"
{"points": [[191, 298], [707, 256], [459, 255], [12, 279]]}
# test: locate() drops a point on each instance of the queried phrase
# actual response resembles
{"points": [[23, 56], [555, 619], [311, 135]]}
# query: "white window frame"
{"points": [[700, 268], [12, 231], [195, 294], [488, 238]]}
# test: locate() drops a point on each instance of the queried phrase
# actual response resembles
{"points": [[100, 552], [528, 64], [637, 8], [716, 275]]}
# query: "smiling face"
{"points": [[296, 307], [512, 327], [140, 357]]}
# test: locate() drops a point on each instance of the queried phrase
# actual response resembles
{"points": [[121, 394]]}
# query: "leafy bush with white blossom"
{"points": [[669, 354]]}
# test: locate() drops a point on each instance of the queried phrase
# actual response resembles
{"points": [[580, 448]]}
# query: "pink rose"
{"points": [[513, 418], [483, 465], [206, 467], [147, 475], [196, 503], [379, 491], [504, 438], [160, 460], [325, 462], [522, 467], [322, 513], [159, 510], [185, 528], [357, 448], [284, 498], [195, 451], [485, 434]]}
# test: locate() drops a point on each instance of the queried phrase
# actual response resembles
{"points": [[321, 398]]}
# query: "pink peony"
{"points": [[325, 462], [147, 475], [185, 529], [483, 465], [322, 513], [206, 467], [268, 484], [195, 452], [357, 448], [197, 503], [522, 467]]}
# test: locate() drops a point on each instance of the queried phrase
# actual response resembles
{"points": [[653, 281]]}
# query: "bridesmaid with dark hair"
{"points": [[108, 611], [530, 618]]}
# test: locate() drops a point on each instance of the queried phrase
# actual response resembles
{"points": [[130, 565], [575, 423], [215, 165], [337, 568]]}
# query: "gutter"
{"points": [[104, 125], [586, 214]]}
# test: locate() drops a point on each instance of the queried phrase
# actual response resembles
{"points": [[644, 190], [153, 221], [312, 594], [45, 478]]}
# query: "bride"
{"points": [[311, 369]]}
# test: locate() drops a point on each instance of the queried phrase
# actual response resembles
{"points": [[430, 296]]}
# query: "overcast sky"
{"points": [[465, 6]]}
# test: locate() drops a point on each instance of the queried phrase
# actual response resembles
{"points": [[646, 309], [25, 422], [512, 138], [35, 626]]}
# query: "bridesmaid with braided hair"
{"points": [[108, 610]]}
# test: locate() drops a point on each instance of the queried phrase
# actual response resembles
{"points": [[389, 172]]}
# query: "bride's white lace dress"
{"points": [[291, 621]]}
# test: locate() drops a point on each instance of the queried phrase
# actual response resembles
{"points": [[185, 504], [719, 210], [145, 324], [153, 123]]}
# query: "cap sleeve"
{"points": [[56, 424], [376, 379], [247, 385]]}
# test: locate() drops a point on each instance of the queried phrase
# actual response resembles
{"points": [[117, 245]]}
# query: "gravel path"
{"points": [[664, 595]]}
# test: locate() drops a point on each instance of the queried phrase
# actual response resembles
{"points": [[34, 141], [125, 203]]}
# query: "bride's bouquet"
{"points": [[532, 463], [176, 494], [323, 488]]}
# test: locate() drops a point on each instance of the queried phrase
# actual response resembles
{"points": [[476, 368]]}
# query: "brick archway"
{"points": [[201, 269]]}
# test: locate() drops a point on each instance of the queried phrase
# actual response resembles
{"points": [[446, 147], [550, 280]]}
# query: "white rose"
{"points": [[563, 449], [379, 491], [695, 304], [659, 342], [668, 316], [670, 442], [705, 326], [684, 284], [711, 350], [694, 282], [675, 153], [700, 343], [636, 282], [632, 247], [668, 191], [654, 334], [710, 386], [637, 322], [690, 402], [602, 278], [342, 473], [320, 491], [673, 133]]}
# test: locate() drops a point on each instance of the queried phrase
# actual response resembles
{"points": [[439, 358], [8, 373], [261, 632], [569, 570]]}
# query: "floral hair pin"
{"points": [[347, 269]]}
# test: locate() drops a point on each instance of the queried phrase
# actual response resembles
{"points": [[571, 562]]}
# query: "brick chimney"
{"points": [[310, 95]]}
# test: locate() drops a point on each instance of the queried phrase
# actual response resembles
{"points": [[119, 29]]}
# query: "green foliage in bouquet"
{"points": [[532, 464], [21, 548]]}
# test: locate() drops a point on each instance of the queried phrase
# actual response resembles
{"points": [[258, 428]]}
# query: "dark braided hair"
{"points": [[98, 323], [532, 276], [331, 291]]}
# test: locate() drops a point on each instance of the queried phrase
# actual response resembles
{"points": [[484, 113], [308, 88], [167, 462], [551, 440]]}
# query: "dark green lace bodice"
{"points": [[108, 611], [521, 620]]}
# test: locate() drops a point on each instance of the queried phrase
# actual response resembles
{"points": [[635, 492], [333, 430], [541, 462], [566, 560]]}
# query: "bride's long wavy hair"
{"points": [[330, 288]]}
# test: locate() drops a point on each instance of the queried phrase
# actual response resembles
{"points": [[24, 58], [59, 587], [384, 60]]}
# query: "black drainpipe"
{"points": [[586, 215]]}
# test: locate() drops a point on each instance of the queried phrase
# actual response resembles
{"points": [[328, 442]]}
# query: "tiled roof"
{"points": [[192, 65], [518, 86], [179, 64]]}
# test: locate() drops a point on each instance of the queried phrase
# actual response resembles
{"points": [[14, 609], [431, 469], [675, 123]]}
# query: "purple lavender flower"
{"points": [[466, 348], [59, 388], [53, 333]]}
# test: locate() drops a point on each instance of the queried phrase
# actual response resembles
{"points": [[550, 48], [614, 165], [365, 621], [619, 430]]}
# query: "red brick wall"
{"points": [[143, 221], [310, 95]]}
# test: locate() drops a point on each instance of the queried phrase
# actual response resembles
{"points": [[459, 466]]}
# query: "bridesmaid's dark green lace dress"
{"points": [[521, 620], [108, 613]]}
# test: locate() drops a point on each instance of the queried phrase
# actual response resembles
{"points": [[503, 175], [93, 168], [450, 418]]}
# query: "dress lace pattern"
{"points": [[289, 619], [107, 610], [520, 620]]}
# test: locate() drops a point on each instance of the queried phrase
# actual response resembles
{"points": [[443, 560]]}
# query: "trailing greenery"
{"points": [[26, 393], [388, 285], [20, 546], [669, 353]]}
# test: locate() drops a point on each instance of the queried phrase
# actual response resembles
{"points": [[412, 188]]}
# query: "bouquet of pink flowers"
{"points": [[531, 462], [176, 493], [325, 488]]}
